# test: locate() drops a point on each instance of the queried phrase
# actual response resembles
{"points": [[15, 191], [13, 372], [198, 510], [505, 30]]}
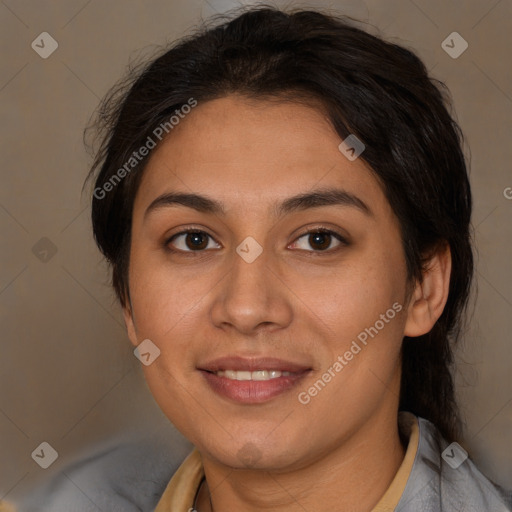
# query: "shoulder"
{"points": [[444, 478], [121, 475]]}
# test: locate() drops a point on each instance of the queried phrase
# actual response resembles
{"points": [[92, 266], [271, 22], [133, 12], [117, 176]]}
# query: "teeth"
{"points": [[256, 375], [260, 375]]}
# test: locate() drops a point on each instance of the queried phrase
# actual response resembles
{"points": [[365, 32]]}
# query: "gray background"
{"points": [[67, 371]]}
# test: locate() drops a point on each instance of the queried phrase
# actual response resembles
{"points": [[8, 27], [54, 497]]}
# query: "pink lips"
{"points": [[252, 391]]}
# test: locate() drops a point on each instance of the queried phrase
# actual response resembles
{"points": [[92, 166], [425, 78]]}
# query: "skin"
{"points": [[294, 302]]}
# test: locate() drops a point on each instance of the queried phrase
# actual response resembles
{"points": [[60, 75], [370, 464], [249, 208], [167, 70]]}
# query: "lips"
{"points": [[252, 380]]}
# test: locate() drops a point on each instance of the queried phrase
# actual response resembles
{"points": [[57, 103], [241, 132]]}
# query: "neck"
{"points": [[353, 476]]}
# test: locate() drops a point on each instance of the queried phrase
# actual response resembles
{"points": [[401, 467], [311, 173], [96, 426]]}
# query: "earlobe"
{"points": [[130, 325], [429, 297]]}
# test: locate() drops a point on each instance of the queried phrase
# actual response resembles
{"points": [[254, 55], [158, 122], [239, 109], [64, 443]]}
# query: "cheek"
{"points": [[372, 308], [164, 298], [364, 311], [354, 296]]}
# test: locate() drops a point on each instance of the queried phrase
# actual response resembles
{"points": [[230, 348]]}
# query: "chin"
{"points": [[250, 454]]}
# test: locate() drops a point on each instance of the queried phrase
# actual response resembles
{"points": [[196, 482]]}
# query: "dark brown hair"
{"points": [[377, 90]]}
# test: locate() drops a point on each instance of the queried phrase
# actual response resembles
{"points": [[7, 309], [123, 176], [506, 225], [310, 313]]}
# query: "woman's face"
{"points": [[254, 295]]}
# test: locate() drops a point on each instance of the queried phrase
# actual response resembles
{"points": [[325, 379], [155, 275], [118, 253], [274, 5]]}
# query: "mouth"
{"points": [[252, 380]]}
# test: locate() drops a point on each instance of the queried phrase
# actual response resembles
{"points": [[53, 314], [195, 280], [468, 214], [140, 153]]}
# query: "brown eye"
{"points": [[196, 240], [319, 240], [190, 241]]}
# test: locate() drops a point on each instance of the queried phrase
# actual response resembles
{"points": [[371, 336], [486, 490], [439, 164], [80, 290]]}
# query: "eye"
{"points": [[320, 239], [194, 240], [190, 241]]}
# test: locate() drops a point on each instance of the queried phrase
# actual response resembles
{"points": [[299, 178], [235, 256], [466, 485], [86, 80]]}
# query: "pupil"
{"points": [[318, 238], [197, 242]]}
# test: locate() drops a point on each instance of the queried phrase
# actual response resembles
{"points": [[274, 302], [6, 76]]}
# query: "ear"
{"points": [[429, 297], [130, 323]]}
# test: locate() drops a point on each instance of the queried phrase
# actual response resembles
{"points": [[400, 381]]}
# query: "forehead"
{"points": [[244, 151]]}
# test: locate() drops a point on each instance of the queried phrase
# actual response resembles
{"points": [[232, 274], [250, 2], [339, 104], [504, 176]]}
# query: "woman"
{"points": [[285, 204]]}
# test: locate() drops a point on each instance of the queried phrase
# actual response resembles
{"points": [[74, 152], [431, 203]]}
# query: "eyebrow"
{"points": [[304, 201]]}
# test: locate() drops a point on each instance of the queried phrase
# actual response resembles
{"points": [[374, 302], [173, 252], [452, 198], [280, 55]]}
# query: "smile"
{"points": [[252, 380]]}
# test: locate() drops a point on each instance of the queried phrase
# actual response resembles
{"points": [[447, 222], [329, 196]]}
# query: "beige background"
{"points": [[67, 372]]}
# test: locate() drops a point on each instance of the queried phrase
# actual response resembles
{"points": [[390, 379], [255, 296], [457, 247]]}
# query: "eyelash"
{"points": [[318, 230]]}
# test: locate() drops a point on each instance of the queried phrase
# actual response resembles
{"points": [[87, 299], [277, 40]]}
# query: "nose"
{"points": [[252, 297]]}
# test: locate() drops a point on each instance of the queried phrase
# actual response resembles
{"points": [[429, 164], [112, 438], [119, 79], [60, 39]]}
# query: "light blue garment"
{"points": [[128, 475], [132, 477], [435, 486]]}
